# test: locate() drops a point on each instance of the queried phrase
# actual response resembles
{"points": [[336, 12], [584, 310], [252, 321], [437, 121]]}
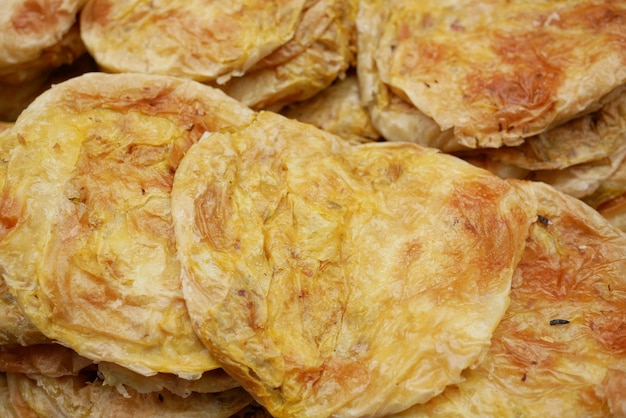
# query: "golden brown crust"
{"points": [[504, 71], [195, 39], [91, 180], [29, 27], [321, 50], [585, 139], [562, 344], [338, 279]]}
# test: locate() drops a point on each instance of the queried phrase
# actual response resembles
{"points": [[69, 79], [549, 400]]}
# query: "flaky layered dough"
{"points": [[197, 39], [28, 27], [561, 347], [15, 327], [320, 51], [499, 71], [88, 244], [78, 396], [50, 359], [342, 280], [585, 139], [121, 378], [337, 110]]}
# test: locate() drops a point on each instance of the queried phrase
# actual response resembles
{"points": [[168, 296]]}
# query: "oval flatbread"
{"points": [[196, 39], [89, 248], [342, 280]]}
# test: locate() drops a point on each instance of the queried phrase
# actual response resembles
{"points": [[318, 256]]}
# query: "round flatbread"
{"points": [[562, 344], [342, 280], [196, 39], [506, 70], [321, 50], [88, 244]]}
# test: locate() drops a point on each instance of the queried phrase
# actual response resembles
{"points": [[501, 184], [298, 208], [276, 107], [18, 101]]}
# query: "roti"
{"points": [[504, 72], [29, 28], [321, 50], [331, 279], [561, 346], [88, 246], [193, 39]]}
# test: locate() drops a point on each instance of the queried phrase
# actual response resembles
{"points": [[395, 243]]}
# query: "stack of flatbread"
{"points": [[324, 208], [40, 43], [533, 91], [165, 249]]}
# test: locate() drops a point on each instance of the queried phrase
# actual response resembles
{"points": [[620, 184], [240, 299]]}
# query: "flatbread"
{"points": [[194, 39], [15, 327], [503, 72], [52, 360], [614, 211], [79, 396], [331, 279], [561, 347], [29, 27], [337, 110], [586, 139], [87, 245], [322, 49]]}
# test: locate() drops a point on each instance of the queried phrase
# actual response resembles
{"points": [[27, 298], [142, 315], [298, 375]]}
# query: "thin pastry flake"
{"points": [[561, 346], [91, 179], [337, 110], [322, 49], [497, 72], [331, 279]]}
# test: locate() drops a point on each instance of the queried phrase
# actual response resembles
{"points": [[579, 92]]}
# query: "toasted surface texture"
{"points": [[28, 27], [505, 71], [197, 39], [562, 344], [337, 110], [320, 51], [91, 180], [342, 280]]}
